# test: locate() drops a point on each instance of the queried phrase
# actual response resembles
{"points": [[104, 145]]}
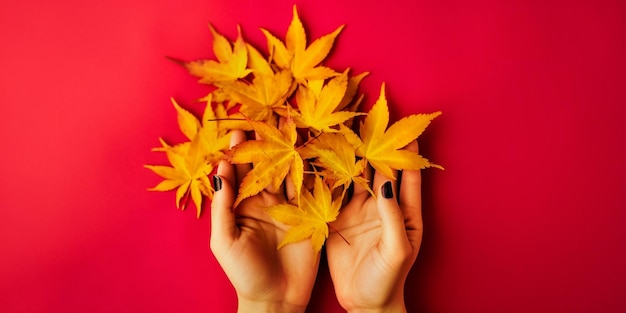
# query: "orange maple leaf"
{"points": [[318, 108], [294, 54], [193, 160], [231, 62], [335, 157], [215, 133], [274, 156], [290, 85], [188, 173], [311, 218], [267, 93], [382, 147]]}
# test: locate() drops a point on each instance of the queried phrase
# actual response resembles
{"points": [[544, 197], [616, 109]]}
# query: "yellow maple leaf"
{"points": [[382, 147], [188, 173], [311, 218], [266, 94], [228, 121], [294, 54], [216, 138], [231, 62], [291, 88], [351, 90], [317, 108], [257, 63], [193, 160], [274, 156], [336, 157]]}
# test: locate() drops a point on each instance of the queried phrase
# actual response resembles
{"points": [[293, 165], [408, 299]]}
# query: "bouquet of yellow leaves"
{"points": [[316, 107]]}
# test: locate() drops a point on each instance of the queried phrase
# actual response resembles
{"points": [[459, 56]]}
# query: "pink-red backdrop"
{"points": [[529, 215]]}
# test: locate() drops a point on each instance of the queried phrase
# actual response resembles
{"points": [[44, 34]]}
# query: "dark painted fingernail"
{"points": [[217, 183], [387, 190]]}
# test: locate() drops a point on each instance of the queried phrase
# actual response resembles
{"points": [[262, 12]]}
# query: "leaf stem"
{"points": [[175, 60], [310, 140], [226, 119], [338, 233], [186, 198]]}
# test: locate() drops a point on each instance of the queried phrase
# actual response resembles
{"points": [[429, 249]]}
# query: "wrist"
{"points": [[395, 306], [263, 306], [389, 309]]}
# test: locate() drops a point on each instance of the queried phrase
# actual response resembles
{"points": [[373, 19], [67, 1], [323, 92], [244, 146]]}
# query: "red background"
{"points": [[527, 217]]}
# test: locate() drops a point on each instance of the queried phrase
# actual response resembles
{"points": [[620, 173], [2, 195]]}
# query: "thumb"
{"points": [[393, 230]]}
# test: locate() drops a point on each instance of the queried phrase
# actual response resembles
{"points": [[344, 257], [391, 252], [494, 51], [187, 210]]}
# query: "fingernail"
{"points": [[217, 183], [387, 190]]}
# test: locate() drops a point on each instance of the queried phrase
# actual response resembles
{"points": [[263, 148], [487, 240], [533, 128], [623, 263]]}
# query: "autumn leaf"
{"points": [[217, 139], [274, 156], [257, 63], [294, 54], [351, 90], [289, 86], [228, 121], [382, 147], [335, 156], [267, 93], [188, 173], [318, 108], [187, 122], [192, 161], [311, 218], [231, 62]]}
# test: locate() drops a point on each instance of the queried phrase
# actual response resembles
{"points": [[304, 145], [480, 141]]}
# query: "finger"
{"points": [[393, 233], [410, 197], [379, 179], [359, 190], [290, 189], [223, 225], [240, 170]]}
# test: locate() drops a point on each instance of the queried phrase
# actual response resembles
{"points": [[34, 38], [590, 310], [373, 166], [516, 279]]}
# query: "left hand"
{"points": [[244, 241]]}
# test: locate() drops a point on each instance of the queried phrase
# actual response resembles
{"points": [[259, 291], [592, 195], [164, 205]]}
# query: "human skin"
{"points": [[369, 273], [244, 241], [384, 235]]}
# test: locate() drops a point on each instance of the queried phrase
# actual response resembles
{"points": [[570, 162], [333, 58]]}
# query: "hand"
{"points": [[385, 236], [244, 241]]}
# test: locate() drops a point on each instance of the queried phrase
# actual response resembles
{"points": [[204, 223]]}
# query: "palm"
{"points": [[245, 241], [384, 235], [359, 279], [254, 264]]}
